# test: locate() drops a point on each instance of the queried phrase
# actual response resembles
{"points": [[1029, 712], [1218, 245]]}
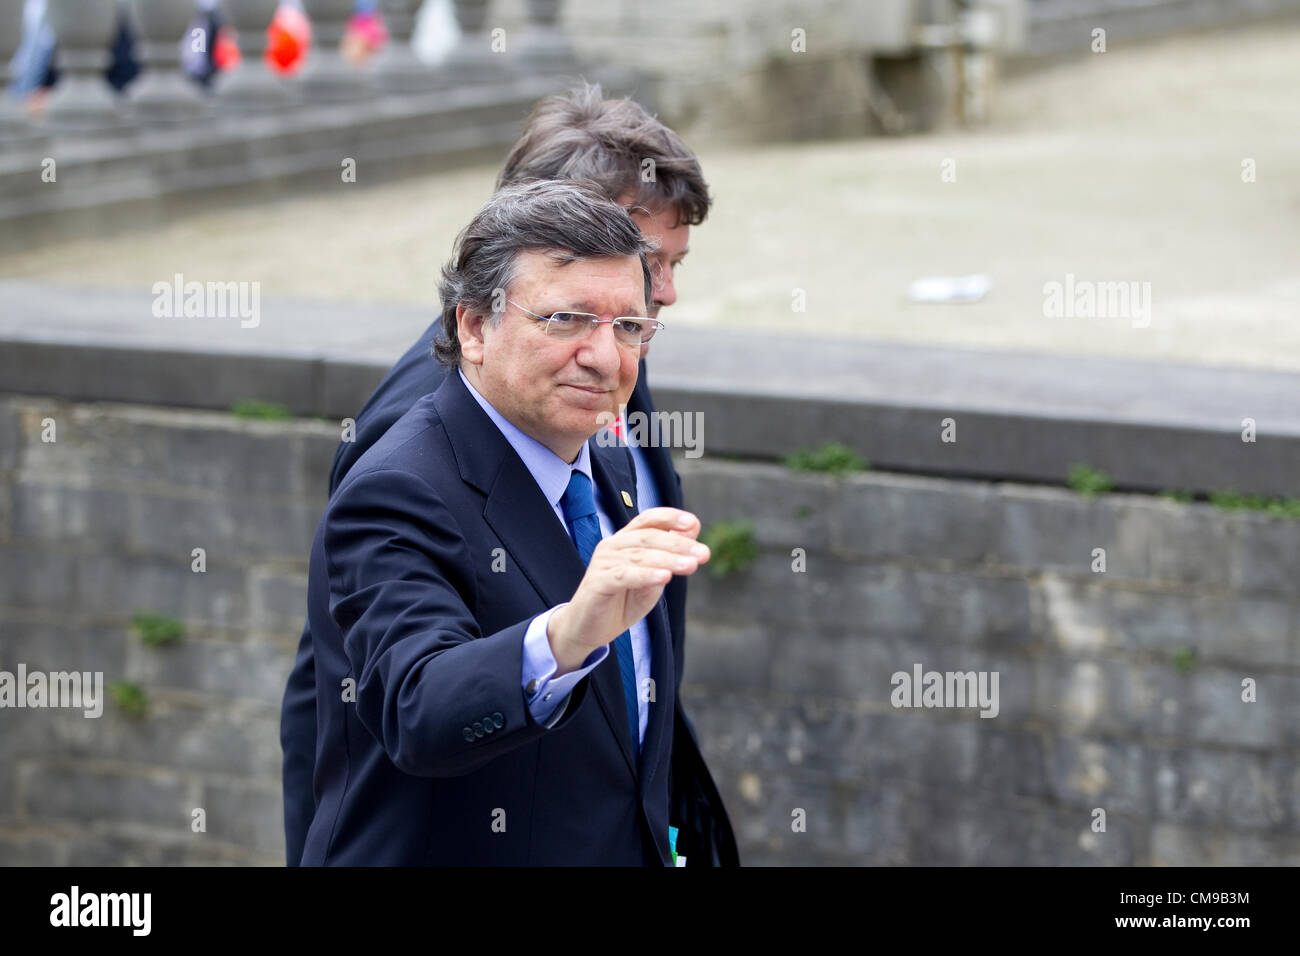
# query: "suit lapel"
{"points": [[515, 508], [524, 521], [657, 457], [613, 471]]}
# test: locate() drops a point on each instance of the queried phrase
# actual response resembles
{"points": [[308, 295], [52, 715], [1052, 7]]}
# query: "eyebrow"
{"points": [[585, 306]]}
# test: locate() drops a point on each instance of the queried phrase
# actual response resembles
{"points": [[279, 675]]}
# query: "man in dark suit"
{"points": [[612, 143], [495, 675]]}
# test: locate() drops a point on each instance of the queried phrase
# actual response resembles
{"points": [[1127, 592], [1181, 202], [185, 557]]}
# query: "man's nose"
{"points": [[601, 352], [664, 292]]}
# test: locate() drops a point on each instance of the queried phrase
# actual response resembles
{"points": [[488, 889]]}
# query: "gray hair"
{"points": [[572, 219]]}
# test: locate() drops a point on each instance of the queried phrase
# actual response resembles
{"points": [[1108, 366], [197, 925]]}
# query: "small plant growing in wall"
{"points": [[1184, 659], [1178, 495], [731, 546], [1233, 501], [257, 409], [157, 629], [833, 458], [1089, 481], [130, 697]]}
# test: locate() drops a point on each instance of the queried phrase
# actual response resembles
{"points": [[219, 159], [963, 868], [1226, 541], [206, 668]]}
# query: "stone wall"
{"points": [[1120, 689], [101, 524]]}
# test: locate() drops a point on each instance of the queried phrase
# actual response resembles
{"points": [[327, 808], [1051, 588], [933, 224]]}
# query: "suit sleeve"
{"points": [[298, 741], [441, 697]]}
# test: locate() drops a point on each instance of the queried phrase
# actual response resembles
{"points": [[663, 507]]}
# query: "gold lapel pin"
{"points": [[627, 499]]}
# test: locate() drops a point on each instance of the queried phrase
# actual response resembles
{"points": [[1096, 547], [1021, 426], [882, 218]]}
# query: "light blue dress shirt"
{"points": [[550, 698], [646, 497]]}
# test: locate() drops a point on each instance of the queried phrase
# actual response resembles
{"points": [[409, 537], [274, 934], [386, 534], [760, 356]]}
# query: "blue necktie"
{"points": [[580, 513]]}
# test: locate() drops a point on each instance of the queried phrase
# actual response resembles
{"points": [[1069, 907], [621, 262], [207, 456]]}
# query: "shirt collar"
{"points": [[549, 470]]}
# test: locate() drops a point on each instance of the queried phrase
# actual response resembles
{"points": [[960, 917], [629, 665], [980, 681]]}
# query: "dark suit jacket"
{"points": [[706, 836], [438, 760]]}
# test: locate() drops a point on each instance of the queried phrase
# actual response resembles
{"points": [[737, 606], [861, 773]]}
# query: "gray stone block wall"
{"points": [[1118, 690], [101, 524]]}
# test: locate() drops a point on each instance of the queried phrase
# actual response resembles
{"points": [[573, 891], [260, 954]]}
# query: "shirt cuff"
{"points": [[543, 695]]}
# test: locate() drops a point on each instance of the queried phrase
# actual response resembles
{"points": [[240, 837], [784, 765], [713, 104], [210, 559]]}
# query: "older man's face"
{"points": [[555, 390]]}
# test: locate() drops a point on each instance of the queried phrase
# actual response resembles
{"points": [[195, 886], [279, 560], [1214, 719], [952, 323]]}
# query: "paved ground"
{"points": [[1124, 166]]}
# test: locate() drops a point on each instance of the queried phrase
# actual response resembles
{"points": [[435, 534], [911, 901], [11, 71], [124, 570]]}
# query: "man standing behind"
{"points": [[640, 163], [473, 570]]}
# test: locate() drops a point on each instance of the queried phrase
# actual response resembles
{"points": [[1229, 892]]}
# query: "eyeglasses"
{"points": [[633, 331]]}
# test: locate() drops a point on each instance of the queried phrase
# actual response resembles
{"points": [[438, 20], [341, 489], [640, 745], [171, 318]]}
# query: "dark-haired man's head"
{"points": [[632, 158]]}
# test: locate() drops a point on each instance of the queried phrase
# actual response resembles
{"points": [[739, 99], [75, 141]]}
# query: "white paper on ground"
{"points": [[950, 288]]}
